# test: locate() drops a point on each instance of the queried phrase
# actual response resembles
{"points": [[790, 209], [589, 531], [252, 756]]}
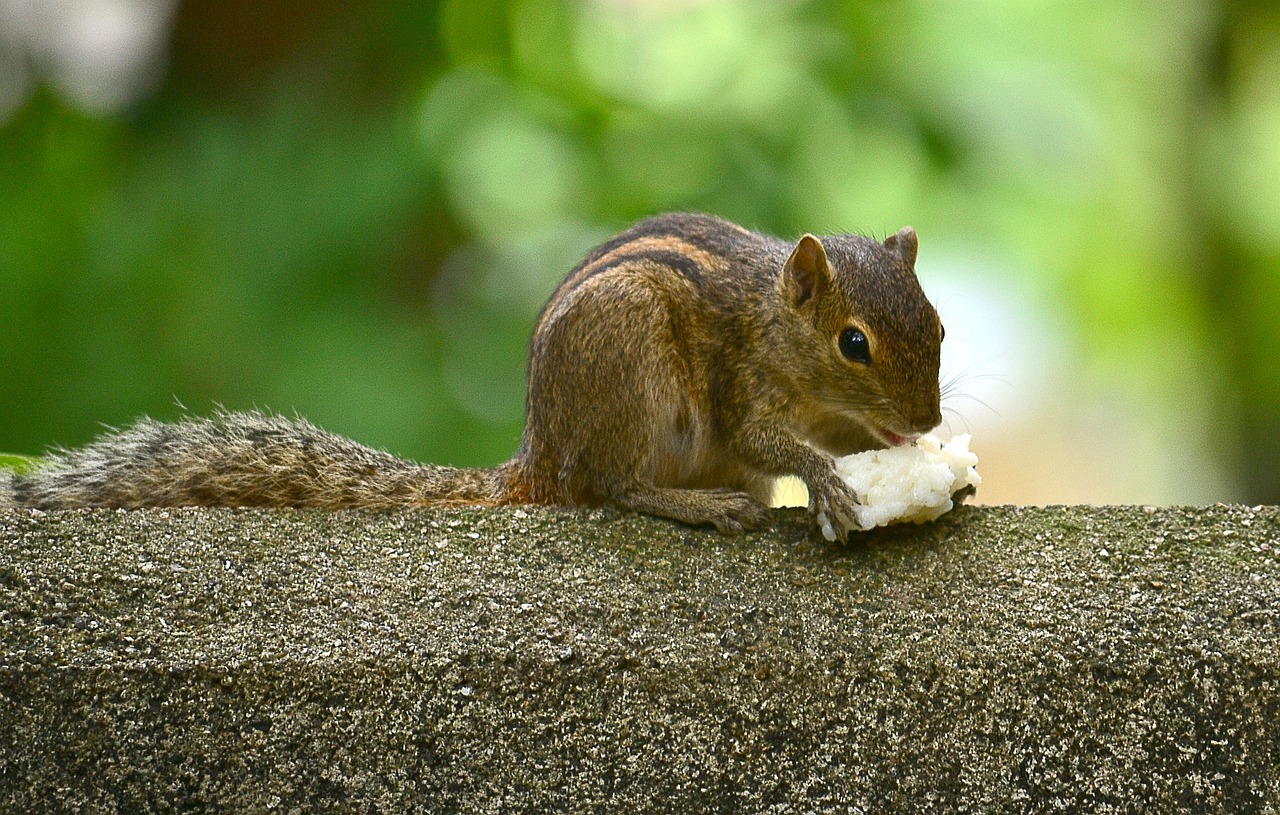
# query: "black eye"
{"points": [[854, 346], [943, 330]]}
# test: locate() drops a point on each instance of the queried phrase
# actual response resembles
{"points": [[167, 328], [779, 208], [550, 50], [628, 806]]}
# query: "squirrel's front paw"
{"points": [[834, 507]]}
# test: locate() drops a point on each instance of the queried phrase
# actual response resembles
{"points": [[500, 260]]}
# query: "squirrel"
{"points": [[678, 370]]}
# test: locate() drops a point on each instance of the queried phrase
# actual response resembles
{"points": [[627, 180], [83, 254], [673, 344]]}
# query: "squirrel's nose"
{"points": [[927, 419]]}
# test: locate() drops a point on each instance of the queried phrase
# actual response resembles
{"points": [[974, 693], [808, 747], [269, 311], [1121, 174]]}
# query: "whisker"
{"points": [[956, 396], [946, 422], [952, 383]]}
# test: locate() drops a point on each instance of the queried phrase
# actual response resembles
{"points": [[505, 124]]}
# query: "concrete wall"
{"points": [[1000, 660]]}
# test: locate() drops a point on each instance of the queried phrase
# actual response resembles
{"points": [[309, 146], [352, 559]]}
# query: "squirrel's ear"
{"points": [[806, 270], [903, 244]]}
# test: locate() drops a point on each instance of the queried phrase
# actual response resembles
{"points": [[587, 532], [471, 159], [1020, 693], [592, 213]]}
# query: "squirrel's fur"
{"points": [[678, 370]]}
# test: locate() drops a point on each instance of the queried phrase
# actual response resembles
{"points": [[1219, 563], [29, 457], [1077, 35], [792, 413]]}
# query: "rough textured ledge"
{"points": [[1000, 660]]}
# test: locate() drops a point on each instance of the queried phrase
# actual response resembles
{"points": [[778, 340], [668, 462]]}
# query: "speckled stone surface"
{"points": [[999, 660]]}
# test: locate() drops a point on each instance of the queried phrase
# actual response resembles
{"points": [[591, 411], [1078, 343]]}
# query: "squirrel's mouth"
{"points": [[891, 438], [887, 436], [883, 434]]}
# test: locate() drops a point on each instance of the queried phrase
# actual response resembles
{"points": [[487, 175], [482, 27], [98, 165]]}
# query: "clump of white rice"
{"points": [[912, 483]]}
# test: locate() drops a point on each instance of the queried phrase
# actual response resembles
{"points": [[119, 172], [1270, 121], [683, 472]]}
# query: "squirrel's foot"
{"points": [[734, 512], [730, 511], [833, 507]]}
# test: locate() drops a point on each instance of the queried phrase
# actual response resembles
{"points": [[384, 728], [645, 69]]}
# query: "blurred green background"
{"points": [[354, 211]]}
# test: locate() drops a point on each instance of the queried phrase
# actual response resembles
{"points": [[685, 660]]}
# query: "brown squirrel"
{"points": [[678, 370]]}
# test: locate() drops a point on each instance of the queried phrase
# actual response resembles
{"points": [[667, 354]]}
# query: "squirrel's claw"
{"points": [[832, 505], [824, 524]]}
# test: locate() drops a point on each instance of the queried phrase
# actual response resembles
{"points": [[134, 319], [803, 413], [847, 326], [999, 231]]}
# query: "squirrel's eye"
{"points": [[854, 346], [943, 330]]}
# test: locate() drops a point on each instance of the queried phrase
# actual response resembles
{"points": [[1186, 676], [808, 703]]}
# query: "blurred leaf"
{"points": [[362, 223]]}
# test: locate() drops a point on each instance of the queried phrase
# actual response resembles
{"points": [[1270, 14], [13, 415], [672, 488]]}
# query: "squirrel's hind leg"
{"points": [[728, 510], [626, 423]]}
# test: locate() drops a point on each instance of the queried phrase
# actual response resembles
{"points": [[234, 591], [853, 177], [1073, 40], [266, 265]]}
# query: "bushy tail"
{"points": [[246, 460]]}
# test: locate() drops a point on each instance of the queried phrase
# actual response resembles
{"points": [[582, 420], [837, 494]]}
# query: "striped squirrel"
{"points": [[678, 370]]}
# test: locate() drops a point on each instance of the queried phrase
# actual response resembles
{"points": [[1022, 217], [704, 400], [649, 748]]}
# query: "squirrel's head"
{"points": [[868, 338]]}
